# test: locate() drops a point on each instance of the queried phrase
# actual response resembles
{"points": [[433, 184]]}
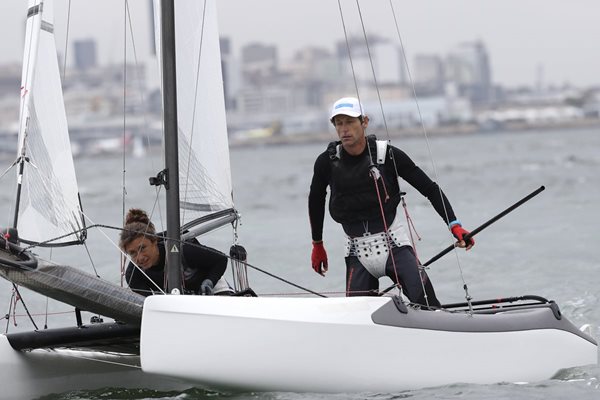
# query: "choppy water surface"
{"points": [[546, 247]]}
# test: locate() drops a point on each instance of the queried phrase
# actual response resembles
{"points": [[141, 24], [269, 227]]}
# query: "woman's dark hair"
{"points": [[137, 223]]}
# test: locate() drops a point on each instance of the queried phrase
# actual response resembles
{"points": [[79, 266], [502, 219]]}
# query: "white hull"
{"points": [[333, 345], [30, 374]]}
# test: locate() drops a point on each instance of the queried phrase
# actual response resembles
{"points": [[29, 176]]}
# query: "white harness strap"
{"points": [[381, 151], [373, 249]]}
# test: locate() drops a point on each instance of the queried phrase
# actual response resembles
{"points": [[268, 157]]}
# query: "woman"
{"points": [[202, 265]]}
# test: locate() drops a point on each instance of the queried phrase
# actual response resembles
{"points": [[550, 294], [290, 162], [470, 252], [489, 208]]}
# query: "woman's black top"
{"points": [[199, 263]]}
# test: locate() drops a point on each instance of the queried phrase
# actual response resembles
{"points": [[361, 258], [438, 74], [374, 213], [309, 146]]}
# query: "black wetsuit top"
{"points": [[199, 263], [405, 168]]}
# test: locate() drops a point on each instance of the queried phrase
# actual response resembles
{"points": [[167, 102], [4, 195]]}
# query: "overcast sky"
{"points": [[558, 38]]}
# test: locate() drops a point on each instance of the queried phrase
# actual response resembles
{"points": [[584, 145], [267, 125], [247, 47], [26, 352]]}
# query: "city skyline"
{"points": [[528, 41]]}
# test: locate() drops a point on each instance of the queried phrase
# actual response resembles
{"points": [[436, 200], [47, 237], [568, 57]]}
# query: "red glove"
{"points": [[318, 258], [459, 233]]}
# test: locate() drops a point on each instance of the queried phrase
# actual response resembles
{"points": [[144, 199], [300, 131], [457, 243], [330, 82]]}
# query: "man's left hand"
{"points": [[459, 233]]}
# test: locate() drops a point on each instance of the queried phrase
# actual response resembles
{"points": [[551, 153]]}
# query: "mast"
{"points": [[169, 78], [21, 161], [29, 57]]}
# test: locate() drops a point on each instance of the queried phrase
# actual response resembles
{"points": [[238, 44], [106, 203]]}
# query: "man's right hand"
{"points": [[319, 258]]}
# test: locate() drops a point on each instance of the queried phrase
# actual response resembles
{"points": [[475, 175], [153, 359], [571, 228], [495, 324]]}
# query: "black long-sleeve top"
{"points": [[405, 168], [199, 263]]}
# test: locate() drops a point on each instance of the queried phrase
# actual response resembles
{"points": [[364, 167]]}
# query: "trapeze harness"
{"points": [[372, 249]]}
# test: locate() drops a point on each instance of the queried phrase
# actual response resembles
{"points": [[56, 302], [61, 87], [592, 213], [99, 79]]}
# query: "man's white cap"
{"points": [[347, 106]]}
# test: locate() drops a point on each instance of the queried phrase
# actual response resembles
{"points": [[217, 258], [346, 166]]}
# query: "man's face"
{"points": [[350, 130]]}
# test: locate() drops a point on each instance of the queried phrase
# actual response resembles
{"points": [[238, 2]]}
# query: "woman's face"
{"points": [[143, 252]]}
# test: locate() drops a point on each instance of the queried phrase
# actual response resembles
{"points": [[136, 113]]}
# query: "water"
{"points": [[547, 247]]}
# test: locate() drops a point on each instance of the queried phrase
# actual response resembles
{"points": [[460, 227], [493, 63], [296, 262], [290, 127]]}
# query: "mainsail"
{"points": [[204, 170], [49, 202]]}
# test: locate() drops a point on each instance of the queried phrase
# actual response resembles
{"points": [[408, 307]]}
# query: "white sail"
{"points": [[49, 204], [204, 168]]}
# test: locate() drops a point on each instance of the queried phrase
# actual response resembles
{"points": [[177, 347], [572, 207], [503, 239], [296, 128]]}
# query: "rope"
{"points": [[246, 264], [124, 162], [425, 134], [372, 68], [18, 297], [426, 137], [196, 86], [385, 222], [350, 55]]}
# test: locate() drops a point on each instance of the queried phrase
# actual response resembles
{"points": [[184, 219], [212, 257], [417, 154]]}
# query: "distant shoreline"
{"points": [[7, 153], [462, 129]]}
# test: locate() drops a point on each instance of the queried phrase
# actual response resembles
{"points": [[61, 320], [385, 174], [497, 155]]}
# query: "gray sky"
{"points": [[560, 36]]}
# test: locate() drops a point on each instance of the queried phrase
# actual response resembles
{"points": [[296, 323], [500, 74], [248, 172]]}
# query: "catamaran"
{"points": [[522, 338]]}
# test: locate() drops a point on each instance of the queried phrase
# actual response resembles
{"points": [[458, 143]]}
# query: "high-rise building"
{"points": [[259, 61], [85, 54], [381, 57], [428, 74], [227, 69], [468, 66]]}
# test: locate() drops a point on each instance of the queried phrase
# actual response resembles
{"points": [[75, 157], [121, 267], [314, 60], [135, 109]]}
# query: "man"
{"points": [[365, 193]]}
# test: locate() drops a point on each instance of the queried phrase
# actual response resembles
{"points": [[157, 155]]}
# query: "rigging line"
{"points": [[124, 158], [418, 106], [282, 279], [123, 185], [154, 207], [158, 51], [388, 239], [66, 49], [127, 17], [145, 233], [191, 244], [189, 160], [10, 167], [387, 131], [44, 181], [85, 246], [362, 23], [46, 313], [139, 80], [354, 75], [426, 136], [246, 264], [10, 307], [350, 56], [19, 297], [136, 71]]}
